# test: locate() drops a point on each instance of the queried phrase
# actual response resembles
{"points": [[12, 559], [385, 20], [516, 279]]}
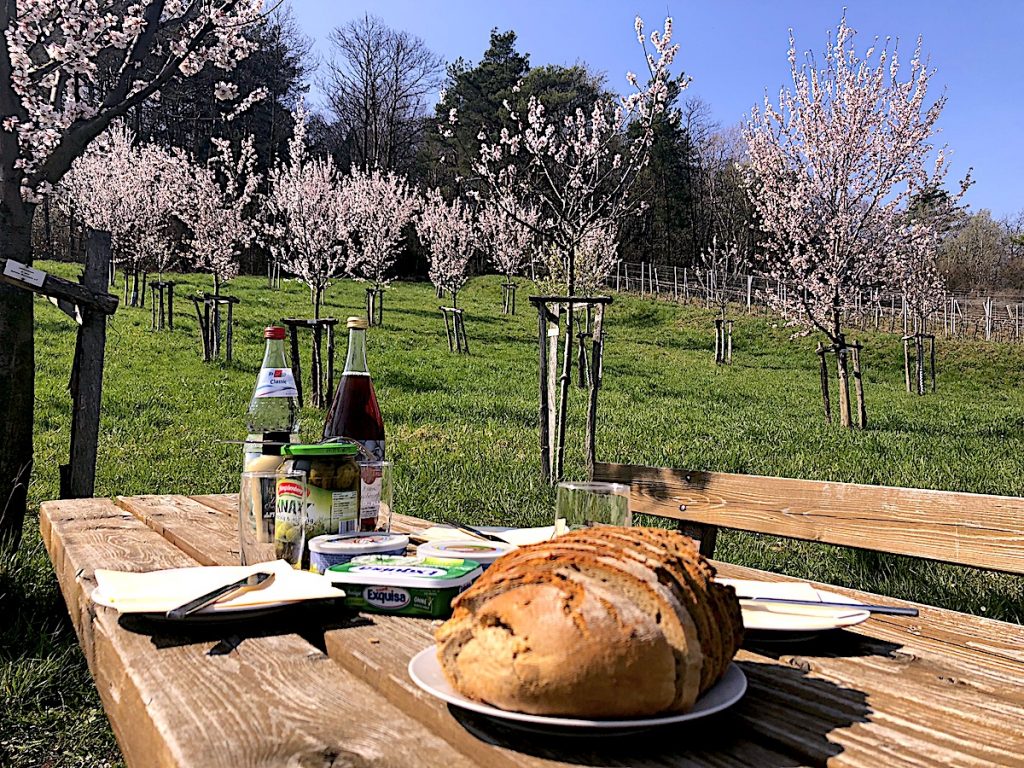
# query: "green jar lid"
{"points": [[321, 449]]}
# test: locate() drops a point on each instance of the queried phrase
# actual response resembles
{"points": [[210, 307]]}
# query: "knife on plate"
{"points": [[890, 610], [250, 582]]}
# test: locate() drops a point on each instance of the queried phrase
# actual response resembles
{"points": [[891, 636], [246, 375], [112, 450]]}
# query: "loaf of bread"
{"points": [[603, 622]]}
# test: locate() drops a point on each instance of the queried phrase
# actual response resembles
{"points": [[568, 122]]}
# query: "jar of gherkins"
{"points": [[332, 487]]}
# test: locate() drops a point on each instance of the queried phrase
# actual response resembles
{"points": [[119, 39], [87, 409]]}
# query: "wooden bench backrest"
{"points": [[965, 528]]}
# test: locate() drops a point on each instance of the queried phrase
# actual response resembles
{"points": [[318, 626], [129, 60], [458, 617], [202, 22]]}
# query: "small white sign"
{"points": [[24, 273]]}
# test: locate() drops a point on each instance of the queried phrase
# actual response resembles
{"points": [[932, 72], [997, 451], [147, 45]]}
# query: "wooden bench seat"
{"points": [[979, 530]]}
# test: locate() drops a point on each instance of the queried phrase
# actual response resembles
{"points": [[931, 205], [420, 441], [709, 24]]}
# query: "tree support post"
{"points": [[858, 385], [596, 372], [823, 371]]}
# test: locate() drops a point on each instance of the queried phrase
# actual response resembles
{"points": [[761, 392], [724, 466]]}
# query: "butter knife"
{"points": [[250, 582]]}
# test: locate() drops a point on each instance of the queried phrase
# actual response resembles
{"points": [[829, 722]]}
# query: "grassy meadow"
{"points": [[462, 432]]}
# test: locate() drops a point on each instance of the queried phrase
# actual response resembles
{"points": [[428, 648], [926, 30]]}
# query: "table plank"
{"points": [[272, 700], [204, 533]]}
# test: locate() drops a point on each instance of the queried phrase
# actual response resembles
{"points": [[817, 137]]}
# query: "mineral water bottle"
{"points": [[354, 413], [274, 409]]}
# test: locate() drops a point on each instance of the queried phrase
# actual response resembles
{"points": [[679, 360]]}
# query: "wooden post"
{"points": [[933, 363], [316, 370], [296, 361], [447, 330], [919, 349], [78, 476], [906, 363], [843, 382], [675, 284], [750, 291], [231, 325], [330, 364], [719, 342], [858, 385], [686, 287], [728, 351], [596, 352], [823, 369], [542, 344]]}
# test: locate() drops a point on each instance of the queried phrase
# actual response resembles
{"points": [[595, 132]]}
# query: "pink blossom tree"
{"points": [[380, 206], [448, 231], [67, 69], [576, 174], [307, 217], [831, 171], [128, 190], [217, 204], [510, 241]]}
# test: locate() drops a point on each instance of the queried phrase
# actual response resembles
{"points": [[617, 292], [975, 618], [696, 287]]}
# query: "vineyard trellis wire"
{"points": [[997, 316]]}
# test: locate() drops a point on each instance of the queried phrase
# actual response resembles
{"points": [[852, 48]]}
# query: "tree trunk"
{"points": [[17, 362]]}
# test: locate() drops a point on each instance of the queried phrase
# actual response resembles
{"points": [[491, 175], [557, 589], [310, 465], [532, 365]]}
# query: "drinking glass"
{"points": [[376, 494], [272, 516], [585, 505]]}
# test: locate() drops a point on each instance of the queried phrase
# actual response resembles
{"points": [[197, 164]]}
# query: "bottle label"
{"points": [[276, 382]]}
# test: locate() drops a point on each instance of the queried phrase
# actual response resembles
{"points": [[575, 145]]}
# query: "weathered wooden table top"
{"points": [[942, 689]]}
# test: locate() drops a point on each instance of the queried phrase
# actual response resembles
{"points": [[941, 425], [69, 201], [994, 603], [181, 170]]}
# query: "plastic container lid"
{"points": [[484, 552], [407, 572], [357, 543], [320, 449]]}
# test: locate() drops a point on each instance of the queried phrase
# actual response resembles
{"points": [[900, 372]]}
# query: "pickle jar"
{"points": [[332, 486]]}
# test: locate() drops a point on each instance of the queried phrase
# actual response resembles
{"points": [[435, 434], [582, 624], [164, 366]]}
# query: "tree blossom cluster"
{"points": [[510, 241], [161, 205], [380, 207], [832, 172], [578, 176], [450, 233], [133, 192], [75, 66]]}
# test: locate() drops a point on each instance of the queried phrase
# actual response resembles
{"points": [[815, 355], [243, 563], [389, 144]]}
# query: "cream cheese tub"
{"points": [[408, 586], [328, 550], [483, 552]]}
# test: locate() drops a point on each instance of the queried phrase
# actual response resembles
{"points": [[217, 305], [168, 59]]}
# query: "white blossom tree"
{"points": [[509, 240], [216, 205], [307, 216], [380, 206], [576, 174], [448, 231], [831, 171], [130, 191], [67, 69], [597, 255]]}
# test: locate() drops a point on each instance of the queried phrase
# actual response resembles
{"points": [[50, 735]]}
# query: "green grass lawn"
{"points": [[462, 432]]}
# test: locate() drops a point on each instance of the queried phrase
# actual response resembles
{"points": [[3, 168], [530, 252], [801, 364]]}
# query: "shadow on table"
{"points": [[786, 719], [835, 643], [228, 632]]}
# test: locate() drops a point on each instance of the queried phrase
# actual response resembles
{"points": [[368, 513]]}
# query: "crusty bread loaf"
{"points": [[604, 622]]}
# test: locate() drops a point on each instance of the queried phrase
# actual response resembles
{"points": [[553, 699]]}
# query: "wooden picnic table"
{"points": [[310, 689]]}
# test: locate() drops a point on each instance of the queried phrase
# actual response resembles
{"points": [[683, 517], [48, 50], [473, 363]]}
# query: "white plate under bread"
{"points": [[425, 670]]}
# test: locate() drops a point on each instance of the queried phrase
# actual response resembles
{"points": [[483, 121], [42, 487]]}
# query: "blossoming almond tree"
{"points": [[510, 241], [380, 206], [307, 216], [67, 69], [578, 173], [129, 191], [448, 231], [216, 206], [830, 174]]}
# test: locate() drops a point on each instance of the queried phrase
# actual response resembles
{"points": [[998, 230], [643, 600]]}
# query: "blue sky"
{"points": [[735, 49]]}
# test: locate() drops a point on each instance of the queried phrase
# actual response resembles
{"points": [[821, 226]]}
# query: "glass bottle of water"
{"points": [[273, 415]]}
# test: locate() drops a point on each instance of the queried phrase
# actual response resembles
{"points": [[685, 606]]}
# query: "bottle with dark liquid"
{"points": [[354, 414]]}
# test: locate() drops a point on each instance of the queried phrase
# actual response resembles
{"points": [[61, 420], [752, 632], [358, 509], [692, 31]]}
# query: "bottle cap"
{"points": [[358, 323], [273, 332]]}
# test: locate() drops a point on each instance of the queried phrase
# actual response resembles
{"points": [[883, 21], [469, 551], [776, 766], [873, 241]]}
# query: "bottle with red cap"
{"points": [[273, 417]]}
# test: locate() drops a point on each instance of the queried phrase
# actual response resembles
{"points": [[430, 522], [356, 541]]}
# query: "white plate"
{"points": [[425, 670], [776, 617], [217, 609]]}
